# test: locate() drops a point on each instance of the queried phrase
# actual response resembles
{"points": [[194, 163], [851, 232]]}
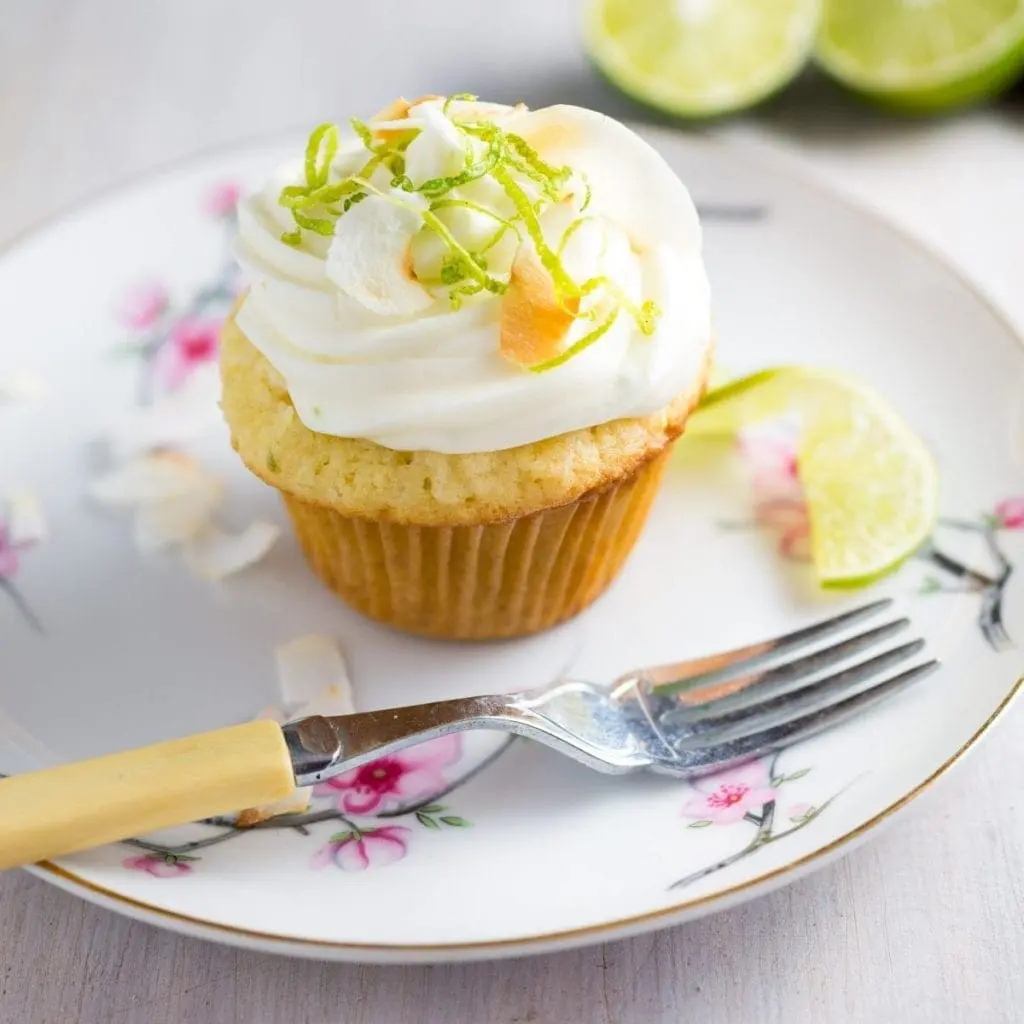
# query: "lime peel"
{"points": [[703, 59], [930, 57], [870, 483]]}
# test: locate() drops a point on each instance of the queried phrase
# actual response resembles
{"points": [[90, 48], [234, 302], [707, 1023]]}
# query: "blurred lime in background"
{"points": [[707, 58], [922, 55], [701, 58]]}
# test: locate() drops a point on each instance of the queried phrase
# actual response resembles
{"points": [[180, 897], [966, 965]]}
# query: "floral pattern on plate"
{"points": [[173, 341], [750, 793], [15, 545], [403, 787]]}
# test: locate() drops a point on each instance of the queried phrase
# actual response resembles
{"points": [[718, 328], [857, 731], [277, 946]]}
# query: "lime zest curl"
{"points": [[454, 98], [511, 162], [579, 345], [320, 153]]}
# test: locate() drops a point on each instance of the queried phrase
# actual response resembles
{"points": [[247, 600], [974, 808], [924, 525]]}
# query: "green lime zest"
{"points": [[320, 152], [551, 179], [437, 187], [578, 346], [565, 286], [320, 225], [468, 204], [529, 183], [497, 237], [458, 293], [362, 130], [455, 97], [645, 315], [569, 232], [466, 261], [587, 193]]}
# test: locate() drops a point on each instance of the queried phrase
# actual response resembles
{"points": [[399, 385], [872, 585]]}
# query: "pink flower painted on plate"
{"points": [[192, 342], [779, 501], [402, 778], [222, 199], [142, 306], [1010, 513], [726, 797], [157, 866], [356, 852], [10, 554]]}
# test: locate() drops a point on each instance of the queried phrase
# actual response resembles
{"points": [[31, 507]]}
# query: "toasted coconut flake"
{"points": [[534, 323], [554, 135], [383, 123], [369, 258], [314, 681], [21, 387], [215, 555], [297, 802], [313, 677], [25, 521], [160, 524], [479, 110], [396, 110], [438, 151], [147, 479], [173, 420]]}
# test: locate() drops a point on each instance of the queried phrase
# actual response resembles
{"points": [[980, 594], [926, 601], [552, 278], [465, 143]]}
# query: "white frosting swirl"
{"points": [[431, 377]]}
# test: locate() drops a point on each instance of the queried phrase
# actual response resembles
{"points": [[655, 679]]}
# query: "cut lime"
{"points": [[923, 55], [701, 58], [871, 484]]}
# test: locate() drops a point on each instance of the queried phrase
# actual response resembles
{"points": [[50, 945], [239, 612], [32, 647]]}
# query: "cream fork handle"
{"points": [[76, 806]]}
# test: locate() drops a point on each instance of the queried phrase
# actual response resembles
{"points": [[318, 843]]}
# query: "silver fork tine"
{"points": [[712, 700], [707, 669], [710, 759], [735, 724]]}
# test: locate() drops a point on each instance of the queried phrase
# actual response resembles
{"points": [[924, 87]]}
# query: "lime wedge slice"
{"points": [[870, 482], [700, 58], [923, 55]]}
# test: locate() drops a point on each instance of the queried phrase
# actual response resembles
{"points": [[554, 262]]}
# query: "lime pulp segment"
{"points": [[701, 58], [923, 54], [870, 483]]}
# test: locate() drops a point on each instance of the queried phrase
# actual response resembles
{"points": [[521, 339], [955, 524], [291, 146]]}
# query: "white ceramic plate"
{"points": [[532, 852]]}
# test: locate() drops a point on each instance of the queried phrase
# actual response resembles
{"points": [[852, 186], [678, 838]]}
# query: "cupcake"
{"points": [[471, 335]]}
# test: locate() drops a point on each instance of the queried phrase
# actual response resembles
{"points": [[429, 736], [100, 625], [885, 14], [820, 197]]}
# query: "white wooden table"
{"points": [[925, 924]]}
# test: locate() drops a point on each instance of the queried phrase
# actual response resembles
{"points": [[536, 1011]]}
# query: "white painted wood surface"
{"points": [[924, 924]]}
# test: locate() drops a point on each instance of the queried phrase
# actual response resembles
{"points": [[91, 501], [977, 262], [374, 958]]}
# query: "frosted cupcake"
{"points": [[471, 336]]}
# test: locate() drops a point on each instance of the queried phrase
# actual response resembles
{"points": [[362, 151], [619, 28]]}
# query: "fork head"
{"points": [[699, 717]]}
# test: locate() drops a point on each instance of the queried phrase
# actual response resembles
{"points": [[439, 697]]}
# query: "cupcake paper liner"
{"points": [[503, 579]]}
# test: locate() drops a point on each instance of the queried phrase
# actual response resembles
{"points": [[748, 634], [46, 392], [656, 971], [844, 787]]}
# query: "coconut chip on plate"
{"points": [[214, 554], [175, 501], [20, 388], [25, 521], [146, 479], [313, 680], [182, 416], [173, 497]]}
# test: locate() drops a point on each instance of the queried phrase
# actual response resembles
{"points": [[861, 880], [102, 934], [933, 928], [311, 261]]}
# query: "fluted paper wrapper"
{"points": [[502, 579]]}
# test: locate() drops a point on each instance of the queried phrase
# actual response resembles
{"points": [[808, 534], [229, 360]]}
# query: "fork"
{"points": [[684, 719]]}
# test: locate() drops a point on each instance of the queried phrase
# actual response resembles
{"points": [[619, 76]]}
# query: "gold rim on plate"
{"points": [[664, 917]]}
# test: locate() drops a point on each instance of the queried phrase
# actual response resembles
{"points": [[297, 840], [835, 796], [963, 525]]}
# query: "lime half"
{"points": [[870, 482], [923, 55], [701, 58]]}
